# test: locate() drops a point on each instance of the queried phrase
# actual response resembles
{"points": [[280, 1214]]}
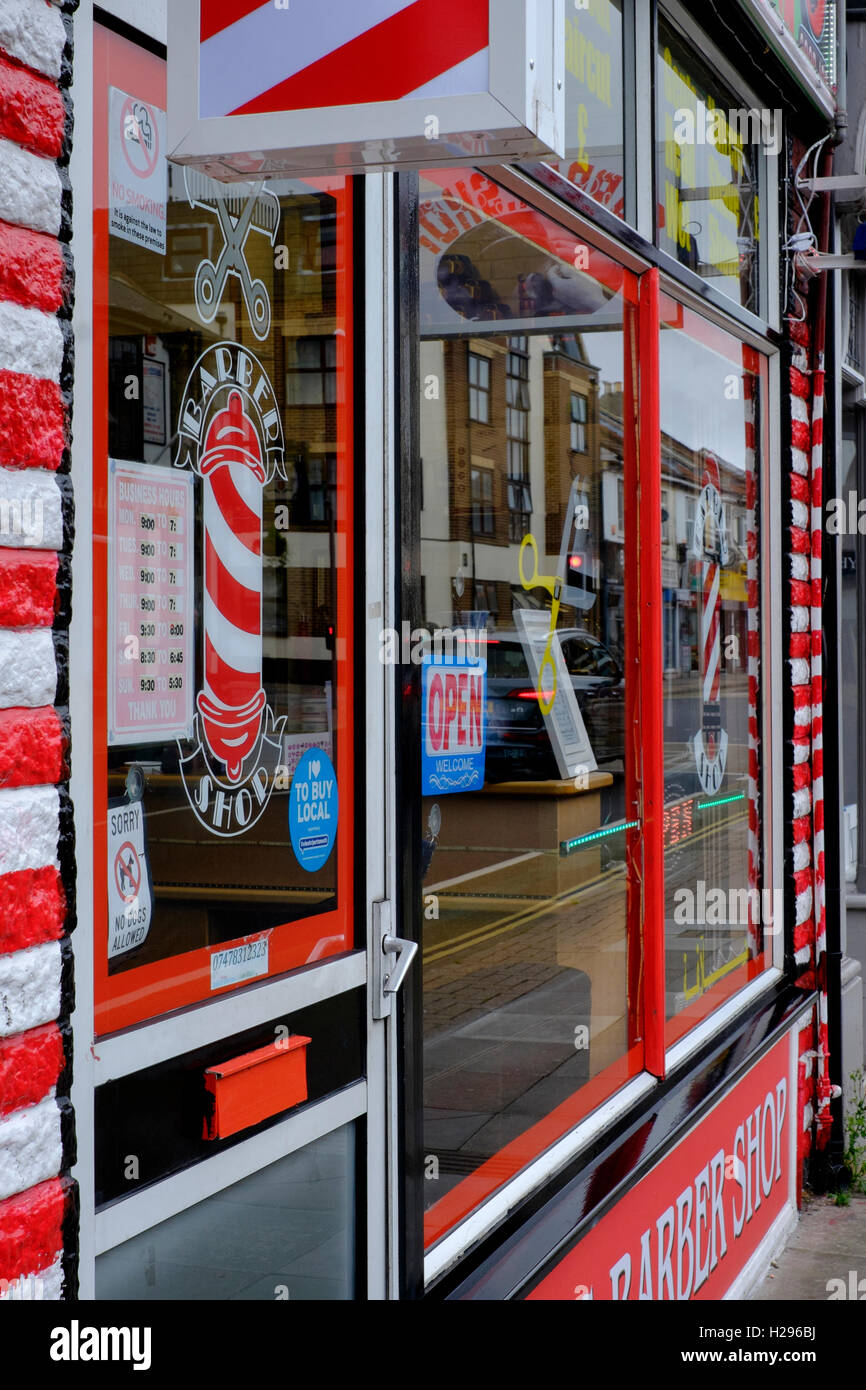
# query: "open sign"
{"points": [[453, 726]]}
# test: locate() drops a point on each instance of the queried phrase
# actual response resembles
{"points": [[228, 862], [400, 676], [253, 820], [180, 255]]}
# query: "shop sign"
{"points": [[687, 1229], [453, 722], [230, 435], [150, 603], [137, 171], [812, 26], [268, 89], [130, 899]]}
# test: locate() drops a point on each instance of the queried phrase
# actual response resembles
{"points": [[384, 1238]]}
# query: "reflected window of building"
{"points": [[311, 371], [578, 423], [479, 389], [482, 502]]}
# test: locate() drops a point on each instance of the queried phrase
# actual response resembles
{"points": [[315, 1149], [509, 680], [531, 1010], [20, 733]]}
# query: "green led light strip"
{"points": [[568, 846], [725, 801]]}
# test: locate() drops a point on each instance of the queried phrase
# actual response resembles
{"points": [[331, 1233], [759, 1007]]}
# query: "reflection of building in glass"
{"points": [[517, 420]]}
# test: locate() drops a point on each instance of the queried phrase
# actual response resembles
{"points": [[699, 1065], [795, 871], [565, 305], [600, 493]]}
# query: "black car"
{"points": [[518, 745]]}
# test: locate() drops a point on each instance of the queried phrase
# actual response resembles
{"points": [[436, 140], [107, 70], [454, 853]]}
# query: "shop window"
{"points": [[578, 424], [719, 914], [594, 107], [530, 1020], [550, 896], [222, 570], [709, 158], [483, 520], [479, 389]]}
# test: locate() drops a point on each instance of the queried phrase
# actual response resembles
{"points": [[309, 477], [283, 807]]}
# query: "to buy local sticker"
{"points": [[314, 809]]}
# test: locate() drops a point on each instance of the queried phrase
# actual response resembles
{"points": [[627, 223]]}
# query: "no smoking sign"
{"points": [[140, 137], [137, 171]]}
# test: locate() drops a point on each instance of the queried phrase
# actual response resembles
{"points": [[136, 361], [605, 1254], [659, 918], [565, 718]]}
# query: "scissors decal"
{"points": [[239, 213], [558, 587]]}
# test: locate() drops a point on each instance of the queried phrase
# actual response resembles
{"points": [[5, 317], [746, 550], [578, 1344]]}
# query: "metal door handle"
{"points": [[404, 953]]}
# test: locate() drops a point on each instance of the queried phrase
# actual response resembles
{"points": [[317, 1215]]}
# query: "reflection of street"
{"points": [[511, 977]]}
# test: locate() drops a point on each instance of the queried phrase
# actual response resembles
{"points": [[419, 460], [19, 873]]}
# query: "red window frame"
{"points": [[150, 991]]}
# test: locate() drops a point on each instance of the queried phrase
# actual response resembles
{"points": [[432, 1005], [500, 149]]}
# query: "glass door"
{"points": [[233, 1035]]}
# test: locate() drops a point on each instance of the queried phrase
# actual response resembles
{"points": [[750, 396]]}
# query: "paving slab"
{"points": [[828, 1244]]}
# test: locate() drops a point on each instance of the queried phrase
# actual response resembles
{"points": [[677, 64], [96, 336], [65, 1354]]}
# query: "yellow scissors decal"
{"points": [[546, 689], [558, 588]]}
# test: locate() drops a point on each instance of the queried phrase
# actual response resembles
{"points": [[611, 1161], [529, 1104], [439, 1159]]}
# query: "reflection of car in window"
{"points": [[518, 745]]}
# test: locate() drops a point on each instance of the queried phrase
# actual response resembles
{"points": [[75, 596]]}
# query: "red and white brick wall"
{"points": [[37, 1197]]}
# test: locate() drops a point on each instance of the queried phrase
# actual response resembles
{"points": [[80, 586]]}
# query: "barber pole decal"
{"points": [[711, 741], [231, 436]]}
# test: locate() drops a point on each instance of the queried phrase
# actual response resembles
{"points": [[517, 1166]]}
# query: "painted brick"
{"points": [[32, 424], [31, 749], [29, 988], [31, 110], [30, 189], [31, 1147], [31, 509], [31, 1229], [31, 268], [30, 1066], [28, 588], [31, 342], [28, 671], [33, 32], [32, 908], [29, 827]]}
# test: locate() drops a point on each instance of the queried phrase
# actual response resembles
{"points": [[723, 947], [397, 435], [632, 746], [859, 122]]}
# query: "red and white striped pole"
{"points": [[232, 699]]}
